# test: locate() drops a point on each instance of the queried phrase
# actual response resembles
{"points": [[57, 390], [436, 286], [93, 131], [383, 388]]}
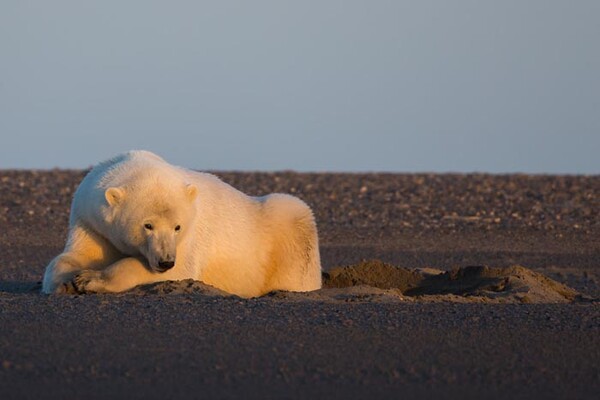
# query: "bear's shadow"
{"points": [[21, 287]]}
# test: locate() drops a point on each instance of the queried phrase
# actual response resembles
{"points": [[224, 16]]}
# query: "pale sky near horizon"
{"points": [[405, 86]]}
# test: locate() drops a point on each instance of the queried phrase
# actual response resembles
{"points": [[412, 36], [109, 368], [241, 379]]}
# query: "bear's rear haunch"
{"points": [[135, 219]]}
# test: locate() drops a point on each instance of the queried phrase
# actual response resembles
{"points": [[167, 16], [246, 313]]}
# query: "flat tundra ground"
{"points": [[158, 343]]}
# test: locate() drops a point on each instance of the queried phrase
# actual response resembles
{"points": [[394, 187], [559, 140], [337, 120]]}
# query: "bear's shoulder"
{"points": [[127, 166], [130, 157], [142, 155]]}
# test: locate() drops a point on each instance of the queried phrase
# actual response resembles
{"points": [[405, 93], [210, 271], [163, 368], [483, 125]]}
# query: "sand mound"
{"points": [[515, 284], [376, 281], [188, 286]]}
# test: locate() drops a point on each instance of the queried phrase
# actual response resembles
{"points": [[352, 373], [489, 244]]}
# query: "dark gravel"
{"points": [[383, 204], [188, 346]]}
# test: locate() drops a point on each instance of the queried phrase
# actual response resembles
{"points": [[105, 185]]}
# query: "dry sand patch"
{"points": [[472, 284]]}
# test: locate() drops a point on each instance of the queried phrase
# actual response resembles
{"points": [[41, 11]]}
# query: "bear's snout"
{"points": [[166, 265], [161, 251]]}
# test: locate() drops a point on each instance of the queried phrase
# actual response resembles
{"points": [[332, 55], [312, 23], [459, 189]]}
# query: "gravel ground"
{"points": [[182, 346], [382, 204]]}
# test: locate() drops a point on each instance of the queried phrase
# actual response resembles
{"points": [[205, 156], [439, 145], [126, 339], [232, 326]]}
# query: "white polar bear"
{"points": [[135, 219]]}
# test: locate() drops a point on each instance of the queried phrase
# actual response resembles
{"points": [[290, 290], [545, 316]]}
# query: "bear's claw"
{"points": [[83, 282], [68, 288]]}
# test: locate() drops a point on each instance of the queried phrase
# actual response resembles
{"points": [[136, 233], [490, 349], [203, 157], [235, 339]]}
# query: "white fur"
{"points": [[244, 245]]}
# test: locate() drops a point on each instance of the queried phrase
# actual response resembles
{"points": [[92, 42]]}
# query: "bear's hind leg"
{"points": [[295, 263]]}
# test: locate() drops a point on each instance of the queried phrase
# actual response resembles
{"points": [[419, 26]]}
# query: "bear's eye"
{"points": [[148, 226], [177, 228]]}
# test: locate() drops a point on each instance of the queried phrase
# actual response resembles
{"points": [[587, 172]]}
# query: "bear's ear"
{"points": [[114, 195], [191, 191]]}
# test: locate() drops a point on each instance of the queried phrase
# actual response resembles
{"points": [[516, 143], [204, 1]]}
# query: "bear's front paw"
{"points": [[88, 282], [67, 288]]}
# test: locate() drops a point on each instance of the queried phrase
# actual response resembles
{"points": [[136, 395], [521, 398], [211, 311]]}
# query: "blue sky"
{"points": [[490, 86]]}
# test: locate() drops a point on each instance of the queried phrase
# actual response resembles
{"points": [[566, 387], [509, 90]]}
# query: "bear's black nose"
{"points": [[166, 264]]}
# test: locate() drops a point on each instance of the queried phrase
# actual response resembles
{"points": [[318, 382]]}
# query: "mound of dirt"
{"points": [[373, 273], [515, 284], [187, 286], [376, 281]]}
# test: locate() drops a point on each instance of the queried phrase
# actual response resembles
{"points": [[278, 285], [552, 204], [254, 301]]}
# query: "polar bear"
{"points": [[136, 219]]}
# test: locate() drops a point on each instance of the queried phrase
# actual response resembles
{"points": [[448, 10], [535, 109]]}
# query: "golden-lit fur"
{"points": [[243, 245]]}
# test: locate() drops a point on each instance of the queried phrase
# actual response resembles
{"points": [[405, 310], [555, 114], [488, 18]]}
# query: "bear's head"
{"points": [[151, 220]]}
